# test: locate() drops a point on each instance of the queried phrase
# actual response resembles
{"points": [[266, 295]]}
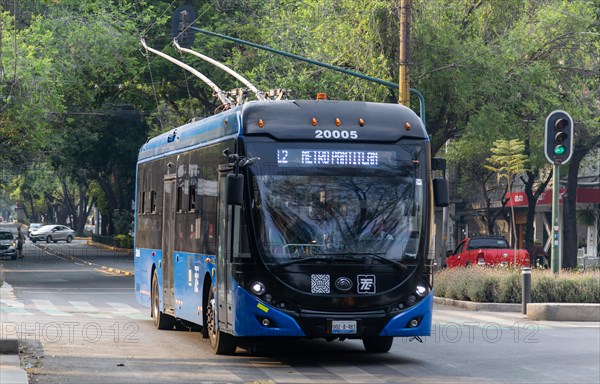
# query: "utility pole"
{"points": [[404, 79]]}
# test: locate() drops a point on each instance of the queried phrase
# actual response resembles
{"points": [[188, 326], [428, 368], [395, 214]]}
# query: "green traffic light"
{"points": [[559, 150]]}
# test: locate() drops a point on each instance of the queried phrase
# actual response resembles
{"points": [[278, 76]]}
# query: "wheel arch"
{"points": [[150, 285], [205, 297]]}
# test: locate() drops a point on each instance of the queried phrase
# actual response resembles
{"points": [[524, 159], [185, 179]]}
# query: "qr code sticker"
{"points": [[319, 284]]}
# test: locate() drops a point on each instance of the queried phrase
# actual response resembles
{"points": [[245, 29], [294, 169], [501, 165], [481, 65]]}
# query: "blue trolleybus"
{"points": [[288, 218]]}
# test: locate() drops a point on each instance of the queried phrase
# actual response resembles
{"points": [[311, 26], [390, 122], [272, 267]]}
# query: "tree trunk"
{"points": [[532, 198], [569, 230]]}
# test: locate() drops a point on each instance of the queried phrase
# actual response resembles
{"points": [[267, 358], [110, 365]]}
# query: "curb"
{"points": [[9, 347], [92, 243], [535, 311], [563, 312], [116, 270], [476, 306]]}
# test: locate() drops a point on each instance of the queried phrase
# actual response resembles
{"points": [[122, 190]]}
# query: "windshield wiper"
{"points": [[298, 260]]}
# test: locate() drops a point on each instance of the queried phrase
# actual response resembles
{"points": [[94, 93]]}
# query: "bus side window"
{"points": [[192, 199], [152, 201], [179, 199], [142, 202]]}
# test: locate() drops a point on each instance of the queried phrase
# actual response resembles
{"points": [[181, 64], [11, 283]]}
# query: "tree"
{"points": [[507, 161]]}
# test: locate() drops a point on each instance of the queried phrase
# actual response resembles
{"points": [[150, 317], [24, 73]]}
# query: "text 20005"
{"points": [[327, 134]]}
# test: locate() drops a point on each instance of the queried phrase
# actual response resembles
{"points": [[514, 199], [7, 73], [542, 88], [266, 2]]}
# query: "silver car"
{"points": [[53, 233], [8, 244], [33, 227]]}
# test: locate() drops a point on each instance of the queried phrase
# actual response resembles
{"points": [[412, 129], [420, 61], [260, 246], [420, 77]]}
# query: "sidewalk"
{"points": [[535, 311], [11, 371]]}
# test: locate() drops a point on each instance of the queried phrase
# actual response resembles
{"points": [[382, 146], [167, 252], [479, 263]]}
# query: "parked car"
{"points": [[486, 250], [33, 227], [53, 232], [8, 244]]}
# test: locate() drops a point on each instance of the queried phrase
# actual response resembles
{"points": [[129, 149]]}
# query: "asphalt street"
{"points": [[79, 323]]}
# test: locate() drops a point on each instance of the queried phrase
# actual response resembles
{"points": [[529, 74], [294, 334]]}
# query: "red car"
{"points": [[486, 250]]}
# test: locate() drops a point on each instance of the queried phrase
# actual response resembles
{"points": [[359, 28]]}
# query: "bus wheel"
{"points": [[378, 344], [221, 343], [161, 320]]}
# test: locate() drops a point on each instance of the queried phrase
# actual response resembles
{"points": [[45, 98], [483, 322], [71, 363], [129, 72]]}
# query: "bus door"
{"points": [[168, 238], [224, 255]]}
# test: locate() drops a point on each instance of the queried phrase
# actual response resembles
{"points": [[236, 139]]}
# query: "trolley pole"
{"points": [[404, 90]]}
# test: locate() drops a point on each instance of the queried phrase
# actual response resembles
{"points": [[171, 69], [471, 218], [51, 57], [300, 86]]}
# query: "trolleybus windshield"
{"points": [[338, 202]]}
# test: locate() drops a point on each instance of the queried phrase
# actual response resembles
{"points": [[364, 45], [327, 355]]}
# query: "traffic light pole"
{"points": [[558, 148], [555, 215]]}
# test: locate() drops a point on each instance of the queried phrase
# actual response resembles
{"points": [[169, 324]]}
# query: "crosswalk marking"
{"points": [[74, 308], [88, 309], [285, 374], [47, 307], [352, 374], [128, 311], [14, 307]]}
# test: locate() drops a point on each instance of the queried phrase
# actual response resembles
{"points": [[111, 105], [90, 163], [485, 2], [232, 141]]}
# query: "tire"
{"points": [[33, 241], [220, 342], [161, 320], [69, 238], [378, 344], [14, 257], [48, 239]]}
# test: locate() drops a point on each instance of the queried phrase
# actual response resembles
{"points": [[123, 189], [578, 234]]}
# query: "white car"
{"points": [[33, 227], [53, 232]]}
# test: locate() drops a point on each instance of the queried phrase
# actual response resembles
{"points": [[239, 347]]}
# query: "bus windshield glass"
{"points": [[313, 201]]}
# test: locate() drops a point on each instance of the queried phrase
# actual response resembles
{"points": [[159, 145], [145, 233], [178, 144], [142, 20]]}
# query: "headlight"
{"points": [[258, 288], [421, 290]]}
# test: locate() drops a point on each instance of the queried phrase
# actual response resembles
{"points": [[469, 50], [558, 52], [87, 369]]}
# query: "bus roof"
{"points": [[300, 119], [293, 120], [192, 134]]}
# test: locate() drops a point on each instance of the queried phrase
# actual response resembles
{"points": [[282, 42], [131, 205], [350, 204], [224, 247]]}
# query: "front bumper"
{"points": [[251, 312], [10, 251]]}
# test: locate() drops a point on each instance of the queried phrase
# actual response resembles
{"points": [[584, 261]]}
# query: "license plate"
{"points": [[343, 327]]}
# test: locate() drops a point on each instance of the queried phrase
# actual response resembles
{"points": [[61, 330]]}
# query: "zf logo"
{"points": [[366, 284]]}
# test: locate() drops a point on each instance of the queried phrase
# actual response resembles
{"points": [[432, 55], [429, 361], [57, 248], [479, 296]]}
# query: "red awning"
{"points": [[584, 195]]}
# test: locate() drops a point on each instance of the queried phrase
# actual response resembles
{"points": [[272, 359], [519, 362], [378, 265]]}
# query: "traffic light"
{"points": [[558, 143], [183, 17]]}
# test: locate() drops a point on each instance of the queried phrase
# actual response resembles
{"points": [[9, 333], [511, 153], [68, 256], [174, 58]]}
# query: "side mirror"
{"points": [[440, 192], [235, 189], [449, 253]]}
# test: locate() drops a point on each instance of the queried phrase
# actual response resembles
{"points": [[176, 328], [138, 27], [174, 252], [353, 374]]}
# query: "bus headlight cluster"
{"points": [[421, 290], [259, 289]]}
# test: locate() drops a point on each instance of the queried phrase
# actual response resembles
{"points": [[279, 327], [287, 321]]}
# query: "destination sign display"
{"points": [[333, 158]]}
